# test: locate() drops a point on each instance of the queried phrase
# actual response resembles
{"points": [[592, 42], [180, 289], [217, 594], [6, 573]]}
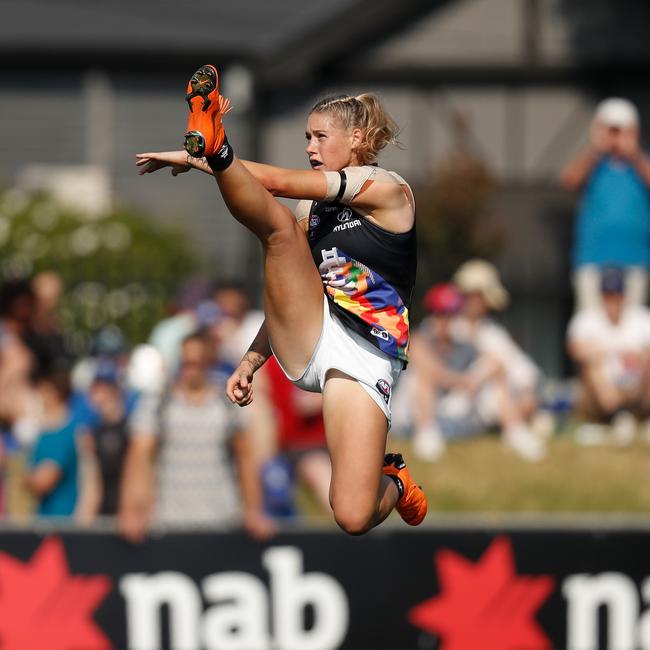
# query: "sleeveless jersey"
{"points": [[368, 274]]}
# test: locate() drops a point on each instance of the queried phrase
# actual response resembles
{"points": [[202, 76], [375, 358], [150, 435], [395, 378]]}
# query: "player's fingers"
{"points": [[246, 401], [241, 392], [243, 397], [231, 384], [147, 156]]}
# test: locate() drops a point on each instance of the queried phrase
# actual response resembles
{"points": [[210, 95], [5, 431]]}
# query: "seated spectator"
{"points": [[54, 465], [300, 438], [178, 469], [611, 346], [483, 292], [443, 396], [457, 390], [613, 222]]}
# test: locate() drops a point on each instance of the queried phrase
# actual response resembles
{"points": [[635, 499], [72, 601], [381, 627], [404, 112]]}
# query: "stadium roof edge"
{"points": [[357, 28], [285, 43], [166, 29]]}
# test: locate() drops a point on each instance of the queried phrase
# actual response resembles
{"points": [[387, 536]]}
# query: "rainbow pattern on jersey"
{"points": [[363, 292]]}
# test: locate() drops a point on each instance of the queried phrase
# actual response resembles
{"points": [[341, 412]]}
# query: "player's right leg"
{"points": [[314, 469], [293, 290], [366, 483]]}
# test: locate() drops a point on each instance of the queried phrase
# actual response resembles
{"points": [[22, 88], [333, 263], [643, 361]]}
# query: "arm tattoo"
{"points": [[256, 359]]}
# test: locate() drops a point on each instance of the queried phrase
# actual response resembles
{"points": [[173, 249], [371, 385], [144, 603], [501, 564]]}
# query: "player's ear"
{"points": [[356, 138]]}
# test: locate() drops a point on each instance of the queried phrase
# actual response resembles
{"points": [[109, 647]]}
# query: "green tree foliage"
{"points": [[452, 218], [118, 269]]}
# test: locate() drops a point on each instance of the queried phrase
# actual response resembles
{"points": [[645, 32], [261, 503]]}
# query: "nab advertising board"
{"points": [[392, 590]]}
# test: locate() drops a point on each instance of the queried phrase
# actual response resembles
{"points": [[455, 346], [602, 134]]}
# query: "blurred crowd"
{"points": [[470, 376], [146, 436]]}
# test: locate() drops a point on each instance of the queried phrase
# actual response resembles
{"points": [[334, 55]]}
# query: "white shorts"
{"points": [[340, 348]]}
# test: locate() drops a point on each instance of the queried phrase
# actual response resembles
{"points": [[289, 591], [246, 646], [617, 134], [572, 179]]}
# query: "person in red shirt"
{"points": [[301, 432]]}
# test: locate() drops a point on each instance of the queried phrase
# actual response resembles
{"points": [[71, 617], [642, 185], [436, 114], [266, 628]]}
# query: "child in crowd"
{"points": [[54, 464]]}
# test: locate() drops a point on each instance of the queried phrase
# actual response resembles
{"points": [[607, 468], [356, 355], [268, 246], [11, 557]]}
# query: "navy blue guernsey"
{"points": [[368, 274]]}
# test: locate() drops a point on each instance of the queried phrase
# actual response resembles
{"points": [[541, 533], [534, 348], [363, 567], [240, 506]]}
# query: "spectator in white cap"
{"points": [[611, 348], [509, 401], [613, 221]]}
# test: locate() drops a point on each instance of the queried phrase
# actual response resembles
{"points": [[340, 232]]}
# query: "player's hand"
{"points": [[152, 162], [239, 387]]}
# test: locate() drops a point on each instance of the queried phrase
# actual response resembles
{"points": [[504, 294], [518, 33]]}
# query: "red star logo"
{"points": [[485, 605], [43, 606]]}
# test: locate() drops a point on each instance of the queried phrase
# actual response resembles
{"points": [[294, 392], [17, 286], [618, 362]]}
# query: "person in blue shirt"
{"points": [[613, 220], [54, 464]]}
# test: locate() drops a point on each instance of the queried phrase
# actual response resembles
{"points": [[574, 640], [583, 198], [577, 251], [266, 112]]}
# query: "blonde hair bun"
{"points": [[363, 112]]}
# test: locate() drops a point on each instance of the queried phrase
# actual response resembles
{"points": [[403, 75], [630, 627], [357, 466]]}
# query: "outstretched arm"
{"points": [[288, 183], [387, 203]]}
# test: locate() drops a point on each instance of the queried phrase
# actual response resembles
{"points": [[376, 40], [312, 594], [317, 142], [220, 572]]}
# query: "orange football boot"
{"points": [[412, 505], [205, 134]]}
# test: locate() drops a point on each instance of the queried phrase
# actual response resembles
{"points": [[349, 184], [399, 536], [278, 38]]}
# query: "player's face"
{"points": [[330, 147]]}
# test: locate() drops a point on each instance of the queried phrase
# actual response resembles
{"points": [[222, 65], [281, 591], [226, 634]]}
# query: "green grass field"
{"points": [[480, 475]]}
